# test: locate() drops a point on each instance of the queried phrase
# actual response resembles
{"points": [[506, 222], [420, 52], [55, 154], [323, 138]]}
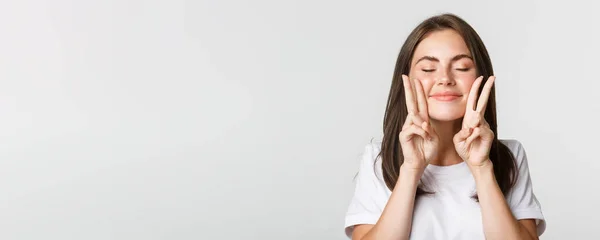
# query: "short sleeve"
{"points": [[370, 195], [521, 199]]}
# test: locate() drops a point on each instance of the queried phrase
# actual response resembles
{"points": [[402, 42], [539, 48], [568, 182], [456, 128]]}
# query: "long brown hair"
{"points": [[396, 111]]}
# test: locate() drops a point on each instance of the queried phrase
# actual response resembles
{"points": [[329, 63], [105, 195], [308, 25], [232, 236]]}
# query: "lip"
{"points": [[446, 96]]}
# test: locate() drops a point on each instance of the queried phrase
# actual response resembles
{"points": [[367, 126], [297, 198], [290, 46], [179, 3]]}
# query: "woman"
{"points": [[440, 171]]}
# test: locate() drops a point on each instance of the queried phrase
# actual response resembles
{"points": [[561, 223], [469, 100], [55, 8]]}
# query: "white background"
{"points": [[246, 119]]}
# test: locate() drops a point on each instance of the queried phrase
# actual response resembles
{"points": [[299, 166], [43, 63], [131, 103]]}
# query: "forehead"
{"points": [[443, 44]]}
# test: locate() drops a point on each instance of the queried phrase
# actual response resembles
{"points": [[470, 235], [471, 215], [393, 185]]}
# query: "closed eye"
{"points": [[428, 70], [463, 69]]}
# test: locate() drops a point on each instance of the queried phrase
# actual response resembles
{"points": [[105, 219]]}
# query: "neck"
{"points": [[446, 131]]}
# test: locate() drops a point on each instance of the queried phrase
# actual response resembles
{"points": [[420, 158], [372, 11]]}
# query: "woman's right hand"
{"points": [[418, 140]]}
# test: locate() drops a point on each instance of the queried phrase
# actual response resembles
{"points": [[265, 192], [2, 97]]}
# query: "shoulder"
{"points": [[371, 163], [521, 198], [370, 155], [517, 150], [372, 148], [370, 192], [370, 159], [513, 144]]}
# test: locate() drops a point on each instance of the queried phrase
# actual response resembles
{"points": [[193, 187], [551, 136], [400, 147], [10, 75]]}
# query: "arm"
{"points": [[396, 220], [473, 144], [498, 221], [419, 143]]}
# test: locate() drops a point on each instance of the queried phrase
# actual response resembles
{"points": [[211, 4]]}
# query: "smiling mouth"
{"points": [[445, 98]]}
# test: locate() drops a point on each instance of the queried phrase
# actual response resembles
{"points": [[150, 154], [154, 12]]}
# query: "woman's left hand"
{"points": [[474, 140]]}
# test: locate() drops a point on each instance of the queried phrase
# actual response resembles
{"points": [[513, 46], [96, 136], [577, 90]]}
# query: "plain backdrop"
{"points": [[240, 119]]}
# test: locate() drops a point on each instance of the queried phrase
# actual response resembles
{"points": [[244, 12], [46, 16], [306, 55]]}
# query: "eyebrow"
{"points": [[455, 58]]}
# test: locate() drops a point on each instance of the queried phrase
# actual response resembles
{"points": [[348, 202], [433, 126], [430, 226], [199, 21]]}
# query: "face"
{"points": [[444, 65]]}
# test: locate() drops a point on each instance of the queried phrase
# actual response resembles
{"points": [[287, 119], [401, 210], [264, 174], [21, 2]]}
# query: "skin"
{"points": [[446, 133]]}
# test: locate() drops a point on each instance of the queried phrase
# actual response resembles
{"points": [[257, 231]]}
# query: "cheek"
{"points": [[465, 84], [427, 84], [425, 78]]}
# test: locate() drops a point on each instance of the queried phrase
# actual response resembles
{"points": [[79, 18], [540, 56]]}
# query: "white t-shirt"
{"points": [[449, 213]]}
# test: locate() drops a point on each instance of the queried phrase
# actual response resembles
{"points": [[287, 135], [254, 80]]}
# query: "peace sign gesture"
{"points": [[474, 140], [418, 140]]}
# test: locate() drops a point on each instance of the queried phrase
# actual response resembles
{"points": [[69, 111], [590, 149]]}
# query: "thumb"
{"points": [[431, 131], [462, 135]]}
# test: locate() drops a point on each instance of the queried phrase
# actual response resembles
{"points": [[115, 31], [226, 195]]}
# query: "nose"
{"points": [[445, 79]]}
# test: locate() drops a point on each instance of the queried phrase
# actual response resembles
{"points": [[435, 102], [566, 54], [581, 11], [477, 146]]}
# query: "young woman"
{"points": [[440, 171]]}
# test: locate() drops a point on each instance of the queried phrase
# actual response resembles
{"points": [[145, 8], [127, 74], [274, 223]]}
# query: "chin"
{"points": [[446, 116]]}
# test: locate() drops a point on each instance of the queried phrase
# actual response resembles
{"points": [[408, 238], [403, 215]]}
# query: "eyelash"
{"points": [[459, 69]]}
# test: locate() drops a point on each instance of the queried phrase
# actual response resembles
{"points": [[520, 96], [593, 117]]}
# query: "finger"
{"points": [[472, 121], [485, 94], [431, 130], [421, 100], [473, 94], [485, 123], [462, 135], [476, 134], [412, 119], [411, 105], [487, 134], [427, 127], [411, 132]]}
